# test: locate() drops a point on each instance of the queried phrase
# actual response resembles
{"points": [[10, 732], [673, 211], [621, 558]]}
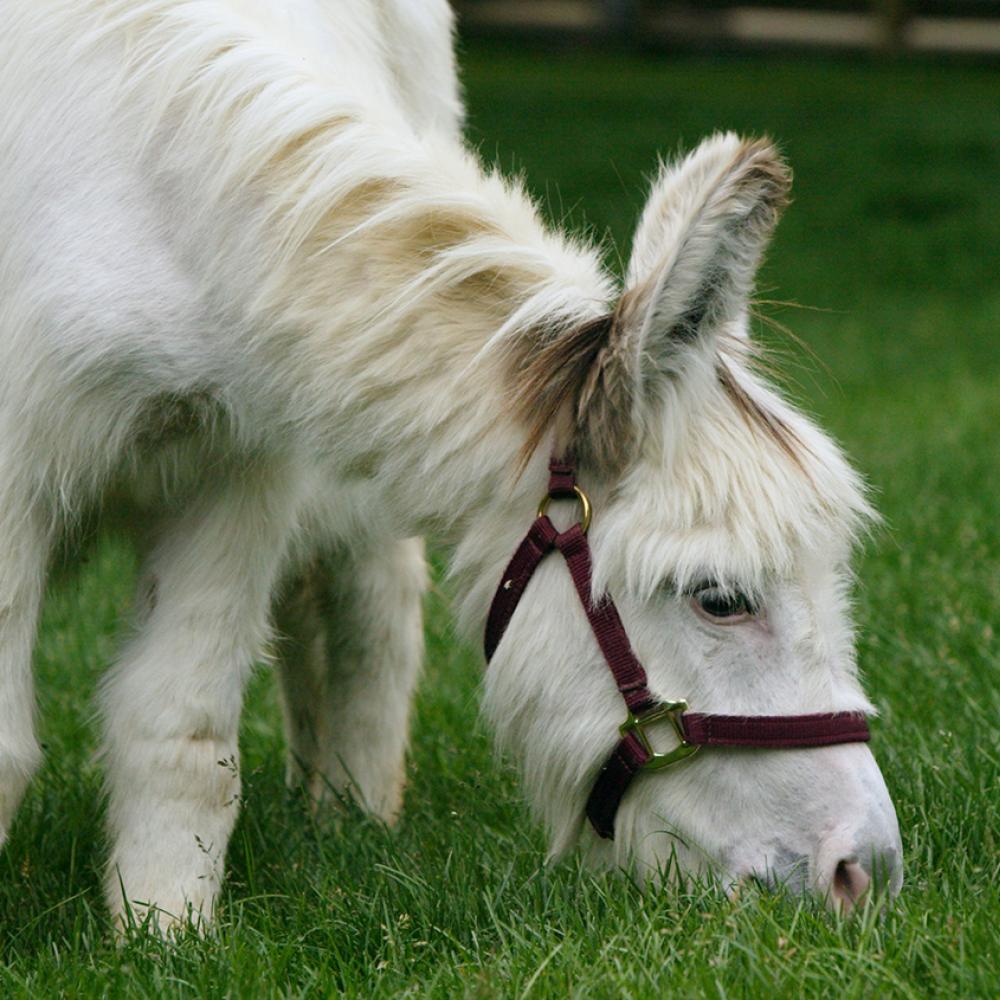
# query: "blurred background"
{"points": [[887, 110], [970, 26]]}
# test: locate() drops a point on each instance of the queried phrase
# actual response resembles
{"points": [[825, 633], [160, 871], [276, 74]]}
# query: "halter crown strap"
{"points": [[633, 752]]}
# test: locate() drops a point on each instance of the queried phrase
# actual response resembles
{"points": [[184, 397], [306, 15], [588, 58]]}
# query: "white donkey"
{"points": [[258, 300]]}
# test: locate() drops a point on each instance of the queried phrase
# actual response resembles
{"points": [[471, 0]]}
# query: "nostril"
{"points": [[849, 885]]}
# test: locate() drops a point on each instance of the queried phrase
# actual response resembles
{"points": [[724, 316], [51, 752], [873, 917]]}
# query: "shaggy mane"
{"points": [[329, 168]]}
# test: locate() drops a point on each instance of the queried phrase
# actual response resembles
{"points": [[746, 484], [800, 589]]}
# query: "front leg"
{"points": [[24, 549], [349, 651], [172, 704]]}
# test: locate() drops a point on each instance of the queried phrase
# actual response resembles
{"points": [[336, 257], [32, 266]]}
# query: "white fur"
{"points": [[255, 294]]}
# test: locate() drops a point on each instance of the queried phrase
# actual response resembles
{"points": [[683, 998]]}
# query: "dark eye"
{"points": [[727, 606]]}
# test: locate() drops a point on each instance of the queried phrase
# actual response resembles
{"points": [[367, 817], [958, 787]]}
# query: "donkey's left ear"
{"points": [[698, 246]]}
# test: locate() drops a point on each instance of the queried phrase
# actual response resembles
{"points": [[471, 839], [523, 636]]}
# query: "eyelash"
{"points": [[722, 606]]}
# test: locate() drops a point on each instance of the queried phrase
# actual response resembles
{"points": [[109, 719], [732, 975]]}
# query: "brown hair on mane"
{"points": [[577, 372]]}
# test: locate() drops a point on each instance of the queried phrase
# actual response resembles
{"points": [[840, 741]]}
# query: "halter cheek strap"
{"points": [[634, 752]]}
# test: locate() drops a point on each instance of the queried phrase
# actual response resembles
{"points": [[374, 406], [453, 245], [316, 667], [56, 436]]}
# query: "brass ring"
{"points": [[584, 503]]}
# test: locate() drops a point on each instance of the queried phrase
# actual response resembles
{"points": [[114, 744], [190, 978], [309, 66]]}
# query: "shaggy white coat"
{"points": [[258, 303]]}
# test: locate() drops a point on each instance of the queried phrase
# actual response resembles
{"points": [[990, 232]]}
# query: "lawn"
{"points": [[892, 242]]}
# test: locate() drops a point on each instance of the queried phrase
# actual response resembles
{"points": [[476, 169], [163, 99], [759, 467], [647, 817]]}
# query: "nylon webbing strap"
{"points": [[629, 675], [627, 759], [542, 538], [775, 732], [536, 546]]}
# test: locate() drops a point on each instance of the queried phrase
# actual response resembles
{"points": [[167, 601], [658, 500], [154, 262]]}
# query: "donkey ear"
{"points": [[698, 245], [695, 256]]}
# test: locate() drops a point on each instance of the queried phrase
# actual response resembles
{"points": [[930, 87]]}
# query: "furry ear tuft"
{"points": [[697, 249], [701, 239], [726, 180]]}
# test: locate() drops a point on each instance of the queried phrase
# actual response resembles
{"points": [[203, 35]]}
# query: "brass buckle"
{"points": [[665, 710], [584, 503]]}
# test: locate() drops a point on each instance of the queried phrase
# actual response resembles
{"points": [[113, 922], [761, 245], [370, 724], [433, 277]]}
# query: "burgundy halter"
{"points": [[634, 752]]}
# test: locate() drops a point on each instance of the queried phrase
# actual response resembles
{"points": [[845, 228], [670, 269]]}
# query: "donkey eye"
{"points": [[728, 606]]}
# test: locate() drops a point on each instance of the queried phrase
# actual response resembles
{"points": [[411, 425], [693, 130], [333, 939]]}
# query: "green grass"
{"points": [[893, 239]]}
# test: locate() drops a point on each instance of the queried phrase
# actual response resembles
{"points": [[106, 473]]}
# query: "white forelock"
{"points": [[715, 496]]}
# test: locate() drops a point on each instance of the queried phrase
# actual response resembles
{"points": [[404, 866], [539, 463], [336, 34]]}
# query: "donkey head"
{"points": [[724, 521]]}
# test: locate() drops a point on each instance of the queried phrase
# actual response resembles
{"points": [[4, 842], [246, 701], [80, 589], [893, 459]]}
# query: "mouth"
{"points": [[786, 871]]}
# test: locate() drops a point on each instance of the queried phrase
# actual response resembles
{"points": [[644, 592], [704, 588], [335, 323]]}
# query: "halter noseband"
{"points": [[634, 751]]}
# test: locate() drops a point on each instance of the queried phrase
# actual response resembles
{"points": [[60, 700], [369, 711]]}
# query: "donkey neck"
{"points": [[403, 318]]}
